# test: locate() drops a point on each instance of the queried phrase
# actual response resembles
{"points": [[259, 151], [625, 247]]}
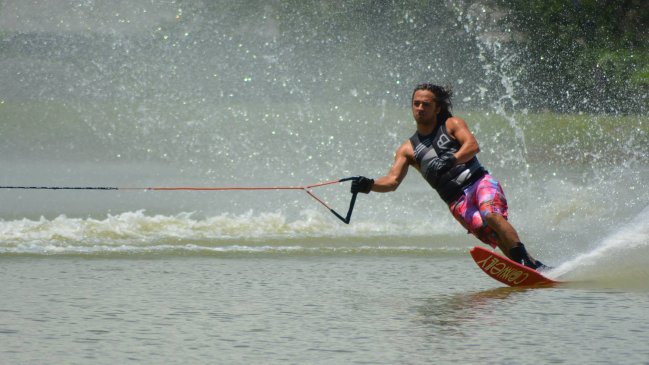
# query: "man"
{"points": [[444, 151]]}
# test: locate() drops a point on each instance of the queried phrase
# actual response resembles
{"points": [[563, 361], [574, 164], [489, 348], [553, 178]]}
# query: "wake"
{"points": [[620, 261]]}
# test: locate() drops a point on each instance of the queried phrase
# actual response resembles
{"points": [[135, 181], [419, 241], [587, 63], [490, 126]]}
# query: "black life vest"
{"points": [[451, 184]]}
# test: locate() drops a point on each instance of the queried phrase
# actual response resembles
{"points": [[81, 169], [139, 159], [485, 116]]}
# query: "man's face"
{"points": [[424, 107]]}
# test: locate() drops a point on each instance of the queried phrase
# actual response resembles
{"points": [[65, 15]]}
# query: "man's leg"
{"points": [[509, 243], [493, 208], [482, 210], [507, 236]]}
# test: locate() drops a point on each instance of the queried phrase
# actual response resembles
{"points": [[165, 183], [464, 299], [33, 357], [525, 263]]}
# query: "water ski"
{"points": [[507, 271]]}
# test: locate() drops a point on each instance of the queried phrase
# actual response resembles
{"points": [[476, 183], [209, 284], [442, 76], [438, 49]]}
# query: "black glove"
{"points": [[362, 185], [443, 163]]}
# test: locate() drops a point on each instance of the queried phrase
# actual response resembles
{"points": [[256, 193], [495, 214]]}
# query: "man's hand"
{"points": [[443, 163], [362, 185]]}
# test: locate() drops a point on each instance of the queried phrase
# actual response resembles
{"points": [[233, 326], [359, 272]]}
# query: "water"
{"points": [[316, 309], [215, 94]]}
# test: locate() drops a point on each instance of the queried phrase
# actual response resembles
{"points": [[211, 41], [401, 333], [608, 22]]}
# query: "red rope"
{"points": [[306, 189], [193, 188]]}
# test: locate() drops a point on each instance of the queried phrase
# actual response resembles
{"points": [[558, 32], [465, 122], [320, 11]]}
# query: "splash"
{"points": [[203, 93], [620, 261], [499, 87]]}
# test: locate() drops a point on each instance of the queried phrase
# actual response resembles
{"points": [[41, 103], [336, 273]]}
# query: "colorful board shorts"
{"points": [[479, 199]]}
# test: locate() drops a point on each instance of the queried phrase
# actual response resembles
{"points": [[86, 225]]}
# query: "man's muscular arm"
{"points": [[403, 158], [469, 147]]}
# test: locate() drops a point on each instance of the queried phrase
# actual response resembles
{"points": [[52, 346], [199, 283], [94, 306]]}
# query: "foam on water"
{"points": [[136, 232]]}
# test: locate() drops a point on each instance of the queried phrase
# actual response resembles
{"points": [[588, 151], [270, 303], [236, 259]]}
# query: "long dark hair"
{"points": [[443, 96]]}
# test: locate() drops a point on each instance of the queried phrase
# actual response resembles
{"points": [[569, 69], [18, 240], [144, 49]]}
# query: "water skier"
{"points": [[444, 150]]}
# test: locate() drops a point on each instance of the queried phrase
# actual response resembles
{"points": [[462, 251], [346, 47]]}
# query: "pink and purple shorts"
{"points": [[479, 199]]}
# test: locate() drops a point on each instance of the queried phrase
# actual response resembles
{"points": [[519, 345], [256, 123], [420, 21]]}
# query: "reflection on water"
{"points": [[454, 313]]}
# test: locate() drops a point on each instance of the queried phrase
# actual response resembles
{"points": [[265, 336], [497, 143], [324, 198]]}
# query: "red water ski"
{"points": [[507, 271]]}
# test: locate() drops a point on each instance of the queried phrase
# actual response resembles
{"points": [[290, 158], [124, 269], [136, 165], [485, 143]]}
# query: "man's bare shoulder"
{"points": [[406, 151], [455, 123]]}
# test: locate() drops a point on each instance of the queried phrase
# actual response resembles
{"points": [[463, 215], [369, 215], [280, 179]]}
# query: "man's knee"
{"points": [[494, 220]]}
